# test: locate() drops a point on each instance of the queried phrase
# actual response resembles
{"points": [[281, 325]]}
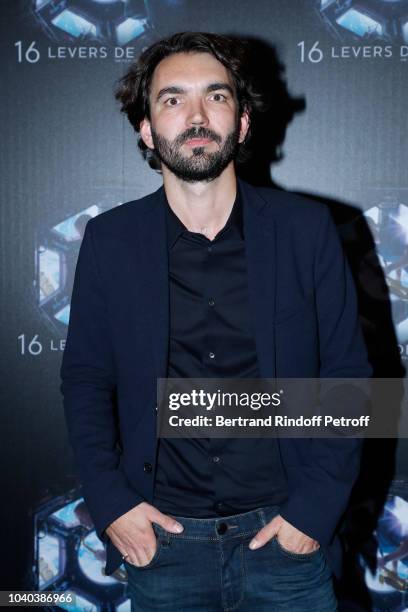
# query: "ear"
{"points": [[146, 133], [244, 126]]}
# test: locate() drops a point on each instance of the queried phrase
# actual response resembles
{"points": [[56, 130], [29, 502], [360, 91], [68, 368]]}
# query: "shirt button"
{"points": [[211, 301], [219, 506], [209, 249], [147, 467], [211, 355], [215, 459]]}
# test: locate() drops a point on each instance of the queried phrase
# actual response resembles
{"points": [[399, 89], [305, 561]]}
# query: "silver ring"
{"points": [[124, 556]]}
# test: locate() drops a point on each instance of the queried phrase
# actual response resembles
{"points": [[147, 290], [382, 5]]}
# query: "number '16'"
{"points": [[31, 54], [314, 55], [34, 347]]}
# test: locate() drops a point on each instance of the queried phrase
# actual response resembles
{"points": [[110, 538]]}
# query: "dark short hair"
{"points": [[133, 88]]}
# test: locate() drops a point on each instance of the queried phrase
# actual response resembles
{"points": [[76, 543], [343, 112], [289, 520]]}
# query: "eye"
{"points": [[219, 97], [171, 102]]}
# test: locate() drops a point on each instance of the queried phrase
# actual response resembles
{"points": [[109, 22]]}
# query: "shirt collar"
{"points": [[175, 227]]}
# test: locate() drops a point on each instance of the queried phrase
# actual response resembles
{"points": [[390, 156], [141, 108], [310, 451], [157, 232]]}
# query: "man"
{"points": [[208, 277]]}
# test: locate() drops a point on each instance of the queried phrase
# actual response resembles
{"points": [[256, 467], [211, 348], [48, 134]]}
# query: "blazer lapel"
{"points": [[261, 261], [155, 267]]}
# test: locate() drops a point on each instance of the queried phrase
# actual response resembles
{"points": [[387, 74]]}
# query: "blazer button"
{"points": [[147, 467]]}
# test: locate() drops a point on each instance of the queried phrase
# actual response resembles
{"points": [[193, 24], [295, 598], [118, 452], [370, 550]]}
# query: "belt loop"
{"points": [[262, 517]]}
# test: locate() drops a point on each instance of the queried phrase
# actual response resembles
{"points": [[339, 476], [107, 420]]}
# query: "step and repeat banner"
{"points": [[337, 73]]}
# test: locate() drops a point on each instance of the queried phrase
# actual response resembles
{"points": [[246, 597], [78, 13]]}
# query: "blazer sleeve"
{"points": [[89, 389], [321, 471]]}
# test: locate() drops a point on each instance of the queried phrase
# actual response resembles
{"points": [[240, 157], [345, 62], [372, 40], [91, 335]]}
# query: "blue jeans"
{"points": [[210, 568]]}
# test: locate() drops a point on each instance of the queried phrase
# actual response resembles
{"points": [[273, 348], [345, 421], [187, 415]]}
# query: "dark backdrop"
{"points": [[336, 131]]}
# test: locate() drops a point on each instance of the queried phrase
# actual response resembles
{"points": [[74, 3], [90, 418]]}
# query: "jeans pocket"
{"points": [[295, 555]]}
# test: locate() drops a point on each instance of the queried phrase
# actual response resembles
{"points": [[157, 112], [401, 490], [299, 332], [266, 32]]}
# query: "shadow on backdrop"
{"points": [[359, 239]]}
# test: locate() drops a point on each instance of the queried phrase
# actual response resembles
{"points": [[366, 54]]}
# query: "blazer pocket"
{"points": [[297, 308]]}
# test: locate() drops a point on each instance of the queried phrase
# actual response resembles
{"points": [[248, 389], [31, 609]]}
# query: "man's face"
{"points": [[194, 126]]}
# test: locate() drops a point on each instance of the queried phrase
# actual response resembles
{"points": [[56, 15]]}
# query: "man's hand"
{"points": [[290, 538], [133, 535]]}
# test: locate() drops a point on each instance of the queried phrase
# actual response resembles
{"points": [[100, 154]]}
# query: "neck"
{"points": [[202, 207]]}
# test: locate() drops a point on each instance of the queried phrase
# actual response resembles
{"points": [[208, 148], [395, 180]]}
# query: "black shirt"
{"points": [[211, 337]]}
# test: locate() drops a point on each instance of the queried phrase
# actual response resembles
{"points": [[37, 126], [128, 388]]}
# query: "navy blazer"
{"points": [[304, 312]]}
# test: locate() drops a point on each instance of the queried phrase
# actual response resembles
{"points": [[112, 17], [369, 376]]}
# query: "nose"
{"points": [[197, 114]]}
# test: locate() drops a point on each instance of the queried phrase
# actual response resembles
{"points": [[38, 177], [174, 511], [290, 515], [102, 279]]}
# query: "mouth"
{"points": [[197, 142]]}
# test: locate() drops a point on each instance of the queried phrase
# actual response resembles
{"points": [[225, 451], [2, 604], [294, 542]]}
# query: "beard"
{"points": [[201, 165]]}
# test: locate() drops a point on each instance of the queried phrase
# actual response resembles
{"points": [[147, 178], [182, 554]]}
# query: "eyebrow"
{"points": [[175, 89]]}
